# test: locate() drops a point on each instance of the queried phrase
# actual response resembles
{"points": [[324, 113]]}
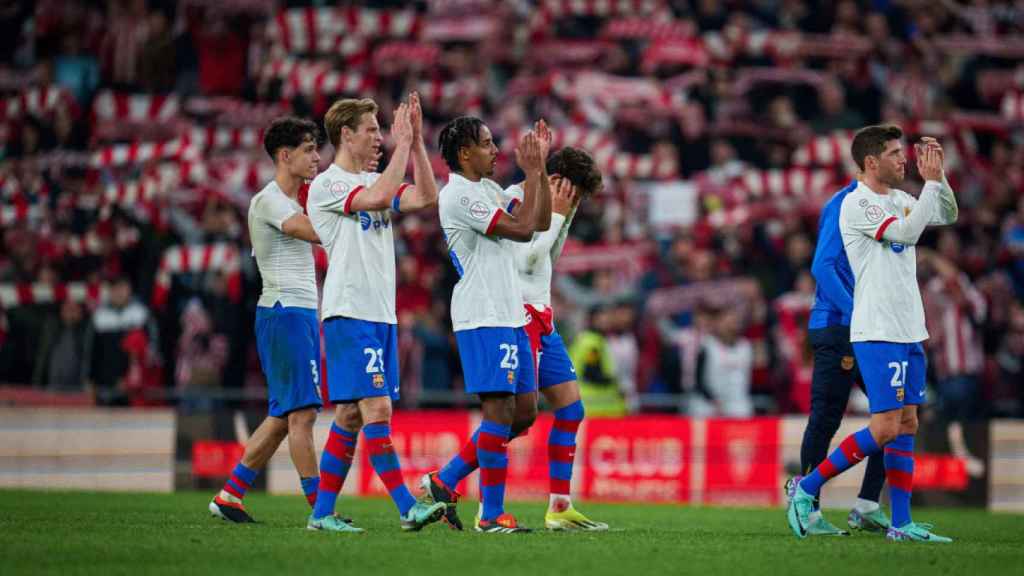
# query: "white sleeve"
{"points": [[273, 209], [563, 233], [334, 195], [948, 211], [512, 196], [479, 213], [869, 217], [541, 243]]}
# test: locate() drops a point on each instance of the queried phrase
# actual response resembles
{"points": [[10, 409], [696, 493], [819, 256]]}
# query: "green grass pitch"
{"points": [[112, 533]]}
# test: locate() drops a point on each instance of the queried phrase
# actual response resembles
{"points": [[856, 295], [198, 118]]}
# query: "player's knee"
{"points": [[375, 409], [525, 417], [301, 420], [347, 417], [885, 427], [908, 425]]}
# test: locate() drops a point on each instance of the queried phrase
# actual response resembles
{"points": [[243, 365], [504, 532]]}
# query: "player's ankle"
{"points": [[559, 503], [229, 497], [865, 506]]}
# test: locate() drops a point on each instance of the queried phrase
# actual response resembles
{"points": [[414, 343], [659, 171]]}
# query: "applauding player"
{"points": [[351, 210], [487, 304], [880, 226]]}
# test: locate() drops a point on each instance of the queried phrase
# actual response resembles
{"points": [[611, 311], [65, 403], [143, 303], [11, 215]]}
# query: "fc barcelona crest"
{"points": [[378, 380], [899, 394], [511, 377]]}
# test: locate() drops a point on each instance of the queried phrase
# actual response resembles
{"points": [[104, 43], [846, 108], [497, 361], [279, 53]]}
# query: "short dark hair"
{"points": [[870, 141], [460, 133], [288, 132], [578, 167]]}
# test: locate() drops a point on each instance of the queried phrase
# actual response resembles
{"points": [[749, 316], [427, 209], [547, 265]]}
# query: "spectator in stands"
{"points": [[724, 367], [1010, 359], [157, 66], [595, 366], [954, 310], [65, 349], [110, 324], [202, 354], [126, 35], [834, 114], [624, 351], [76, 70]]}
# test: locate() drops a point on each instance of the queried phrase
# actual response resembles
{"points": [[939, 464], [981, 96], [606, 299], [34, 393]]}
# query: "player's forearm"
{"points": [[299, 226], [543, 200], [380, 195], [908, 231], [544, 240], [948, 209], [526, 216], [563, 233], [425, 193]]}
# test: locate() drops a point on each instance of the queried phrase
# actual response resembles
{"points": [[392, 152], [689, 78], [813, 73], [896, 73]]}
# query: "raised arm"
{"points": [[424, 192], [381, 193], [909, 230], [544, 139], [521, 225]]}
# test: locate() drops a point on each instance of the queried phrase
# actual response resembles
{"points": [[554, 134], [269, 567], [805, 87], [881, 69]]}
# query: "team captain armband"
{"points": [[397, 201]]}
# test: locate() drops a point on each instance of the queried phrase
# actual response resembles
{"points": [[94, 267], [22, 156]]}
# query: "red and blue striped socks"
{"points": [[899, 472], [385, 462], [240, 481], [309, 488], [851, 450], [492, 453], [335, 463], [562, 447], [461, 465]]}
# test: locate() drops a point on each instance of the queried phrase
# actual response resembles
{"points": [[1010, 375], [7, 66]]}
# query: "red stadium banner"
{"points": [[741, 463], [423, 440], [939, 472], [643, 459], [214, 458]]}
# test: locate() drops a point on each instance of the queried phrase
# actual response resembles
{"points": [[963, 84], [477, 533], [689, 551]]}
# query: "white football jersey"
{"points": [[285, 263], [535, 259], [879, 233], [487, 293], [360, 281]]}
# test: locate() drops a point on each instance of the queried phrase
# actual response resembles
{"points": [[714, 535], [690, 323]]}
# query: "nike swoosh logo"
{"points": [[857, 456], [921, 393]]}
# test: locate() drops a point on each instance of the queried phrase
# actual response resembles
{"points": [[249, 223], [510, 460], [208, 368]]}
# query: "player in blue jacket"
{"points": [[835, 371]]}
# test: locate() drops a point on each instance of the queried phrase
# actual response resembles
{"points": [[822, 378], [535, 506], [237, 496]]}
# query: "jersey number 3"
{"points": [[511, 358], [899, 374]]}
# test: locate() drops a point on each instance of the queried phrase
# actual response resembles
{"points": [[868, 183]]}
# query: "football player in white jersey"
{"points": [[487, 303], [880, 226], [572, 176], [351, 210], [287, 331]]}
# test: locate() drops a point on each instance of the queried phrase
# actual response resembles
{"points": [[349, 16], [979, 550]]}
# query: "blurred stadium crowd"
{"points": [[130, 141]]}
